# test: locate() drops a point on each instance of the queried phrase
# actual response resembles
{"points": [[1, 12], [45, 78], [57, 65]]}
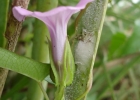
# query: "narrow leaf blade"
{"points": [[28, 67]]}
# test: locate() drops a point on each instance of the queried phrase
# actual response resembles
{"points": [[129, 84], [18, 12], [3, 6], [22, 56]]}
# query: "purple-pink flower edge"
{"points": [[56, 20]]}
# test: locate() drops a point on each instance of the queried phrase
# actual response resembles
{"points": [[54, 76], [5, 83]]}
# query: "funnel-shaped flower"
{"points": [[56, 20]]}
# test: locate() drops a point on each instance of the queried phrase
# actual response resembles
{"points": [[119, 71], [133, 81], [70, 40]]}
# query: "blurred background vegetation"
{"points": [[116, 74]]}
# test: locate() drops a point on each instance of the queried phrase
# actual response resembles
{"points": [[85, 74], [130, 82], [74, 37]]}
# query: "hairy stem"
{"points": [[12, 33]]}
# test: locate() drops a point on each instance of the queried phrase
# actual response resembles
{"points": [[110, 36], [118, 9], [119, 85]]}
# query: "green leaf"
{"points": [[115, 44], [106, 34], [4, 4], [28, 67], [133, 43], [88, 32]]}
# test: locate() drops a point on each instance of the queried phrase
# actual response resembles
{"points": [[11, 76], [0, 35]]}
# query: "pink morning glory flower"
{"points": [[56, 20]]}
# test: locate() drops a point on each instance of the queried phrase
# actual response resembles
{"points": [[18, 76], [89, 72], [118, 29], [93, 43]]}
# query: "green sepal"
{"points": [[53, 70], [69, 65], [52, 75], [65, 75]]}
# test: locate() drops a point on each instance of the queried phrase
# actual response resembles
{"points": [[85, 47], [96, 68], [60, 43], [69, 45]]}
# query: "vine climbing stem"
{"points": [[12, 33]]}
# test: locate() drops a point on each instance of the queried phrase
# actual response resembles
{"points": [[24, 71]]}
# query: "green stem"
{"points": [[134, 83], [44, 92], [60, 93], [126, 94], [109, 82], [3, 19], [108, 77], [35, 92], [40, 51]]}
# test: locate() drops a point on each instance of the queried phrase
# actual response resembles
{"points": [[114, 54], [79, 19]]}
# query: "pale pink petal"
{"points": [[56, 20]]}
